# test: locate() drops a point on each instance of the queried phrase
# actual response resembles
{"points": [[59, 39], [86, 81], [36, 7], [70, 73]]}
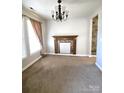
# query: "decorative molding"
{"points": [[31, 63]]}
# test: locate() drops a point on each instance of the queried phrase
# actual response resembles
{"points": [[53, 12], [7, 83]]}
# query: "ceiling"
{"points": [[76, 8]]}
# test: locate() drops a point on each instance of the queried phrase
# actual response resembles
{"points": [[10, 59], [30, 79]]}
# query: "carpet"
{"points": [[62, 74]]}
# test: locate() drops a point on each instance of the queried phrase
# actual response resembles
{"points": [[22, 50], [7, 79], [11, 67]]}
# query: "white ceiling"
{"points": [[76, 8]]}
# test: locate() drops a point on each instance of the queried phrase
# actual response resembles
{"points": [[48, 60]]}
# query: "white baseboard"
{"points": [[69, 54], [92, 55], [30, 64], [98, 66]]}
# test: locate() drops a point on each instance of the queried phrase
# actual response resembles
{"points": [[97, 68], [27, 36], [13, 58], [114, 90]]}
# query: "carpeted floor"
{"points": [[62, 74]]}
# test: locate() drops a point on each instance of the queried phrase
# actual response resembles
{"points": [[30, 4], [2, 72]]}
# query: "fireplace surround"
{"points": [[65, 39]]}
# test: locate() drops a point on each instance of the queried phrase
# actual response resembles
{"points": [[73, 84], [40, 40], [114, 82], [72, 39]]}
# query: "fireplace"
{"points": [[68, 43]]}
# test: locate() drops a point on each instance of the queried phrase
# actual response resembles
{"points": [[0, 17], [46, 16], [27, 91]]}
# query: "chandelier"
{"points": [[60, 14]]}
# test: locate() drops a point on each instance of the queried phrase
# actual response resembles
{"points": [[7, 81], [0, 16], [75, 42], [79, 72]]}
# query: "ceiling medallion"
{"points": [[60, 14]]}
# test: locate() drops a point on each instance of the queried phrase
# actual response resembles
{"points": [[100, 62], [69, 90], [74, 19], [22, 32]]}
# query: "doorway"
{"points": [[94, 34]]}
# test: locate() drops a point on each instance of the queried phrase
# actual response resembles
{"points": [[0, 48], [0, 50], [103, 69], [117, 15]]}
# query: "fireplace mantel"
{"points": [[65, 36], [65, 39]]}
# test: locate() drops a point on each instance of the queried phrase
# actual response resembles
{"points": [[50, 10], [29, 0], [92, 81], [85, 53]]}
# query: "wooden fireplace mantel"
{"points": [[65, 36], [65, 39]]}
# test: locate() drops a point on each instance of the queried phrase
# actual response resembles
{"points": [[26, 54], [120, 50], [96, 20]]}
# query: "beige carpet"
{"points": [[63, 74]]}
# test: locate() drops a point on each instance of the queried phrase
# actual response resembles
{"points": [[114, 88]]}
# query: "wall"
{"points": [[26, 62], [79, 26]]}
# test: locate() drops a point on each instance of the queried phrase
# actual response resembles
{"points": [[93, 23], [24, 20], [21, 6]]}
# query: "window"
{"points": [[24, 52], [30, 41], [23, 46], [33, 39]]}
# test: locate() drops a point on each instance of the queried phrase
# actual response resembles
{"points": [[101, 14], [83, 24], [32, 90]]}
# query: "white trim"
{"points": [[31, 63], [98, 66], [92, 55], [72, 54]]}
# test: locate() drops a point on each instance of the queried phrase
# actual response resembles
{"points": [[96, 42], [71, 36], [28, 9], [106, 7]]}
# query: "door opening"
{"points": [[94, 34]]}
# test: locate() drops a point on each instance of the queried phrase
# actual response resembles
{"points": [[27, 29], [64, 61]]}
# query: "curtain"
{"points": [[38, 29]]}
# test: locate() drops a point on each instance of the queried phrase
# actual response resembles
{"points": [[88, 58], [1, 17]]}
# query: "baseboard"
{"points": [[31, 63], [68, 54], [92, 55], [99, 66]]}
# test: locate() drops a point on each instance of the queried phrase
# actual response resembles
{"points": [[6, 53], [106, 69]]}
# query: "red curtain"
{"points": [[38, 29]]}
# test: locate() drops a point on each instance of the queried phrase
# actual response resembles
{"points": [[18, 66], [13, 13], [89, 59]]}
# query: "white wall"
{"points": [[79, 26], [31, 58]]}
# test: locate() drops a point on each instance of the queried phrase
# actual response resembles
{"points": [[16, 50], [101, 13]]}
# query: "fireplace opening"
{"points": [[65, 48]]}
